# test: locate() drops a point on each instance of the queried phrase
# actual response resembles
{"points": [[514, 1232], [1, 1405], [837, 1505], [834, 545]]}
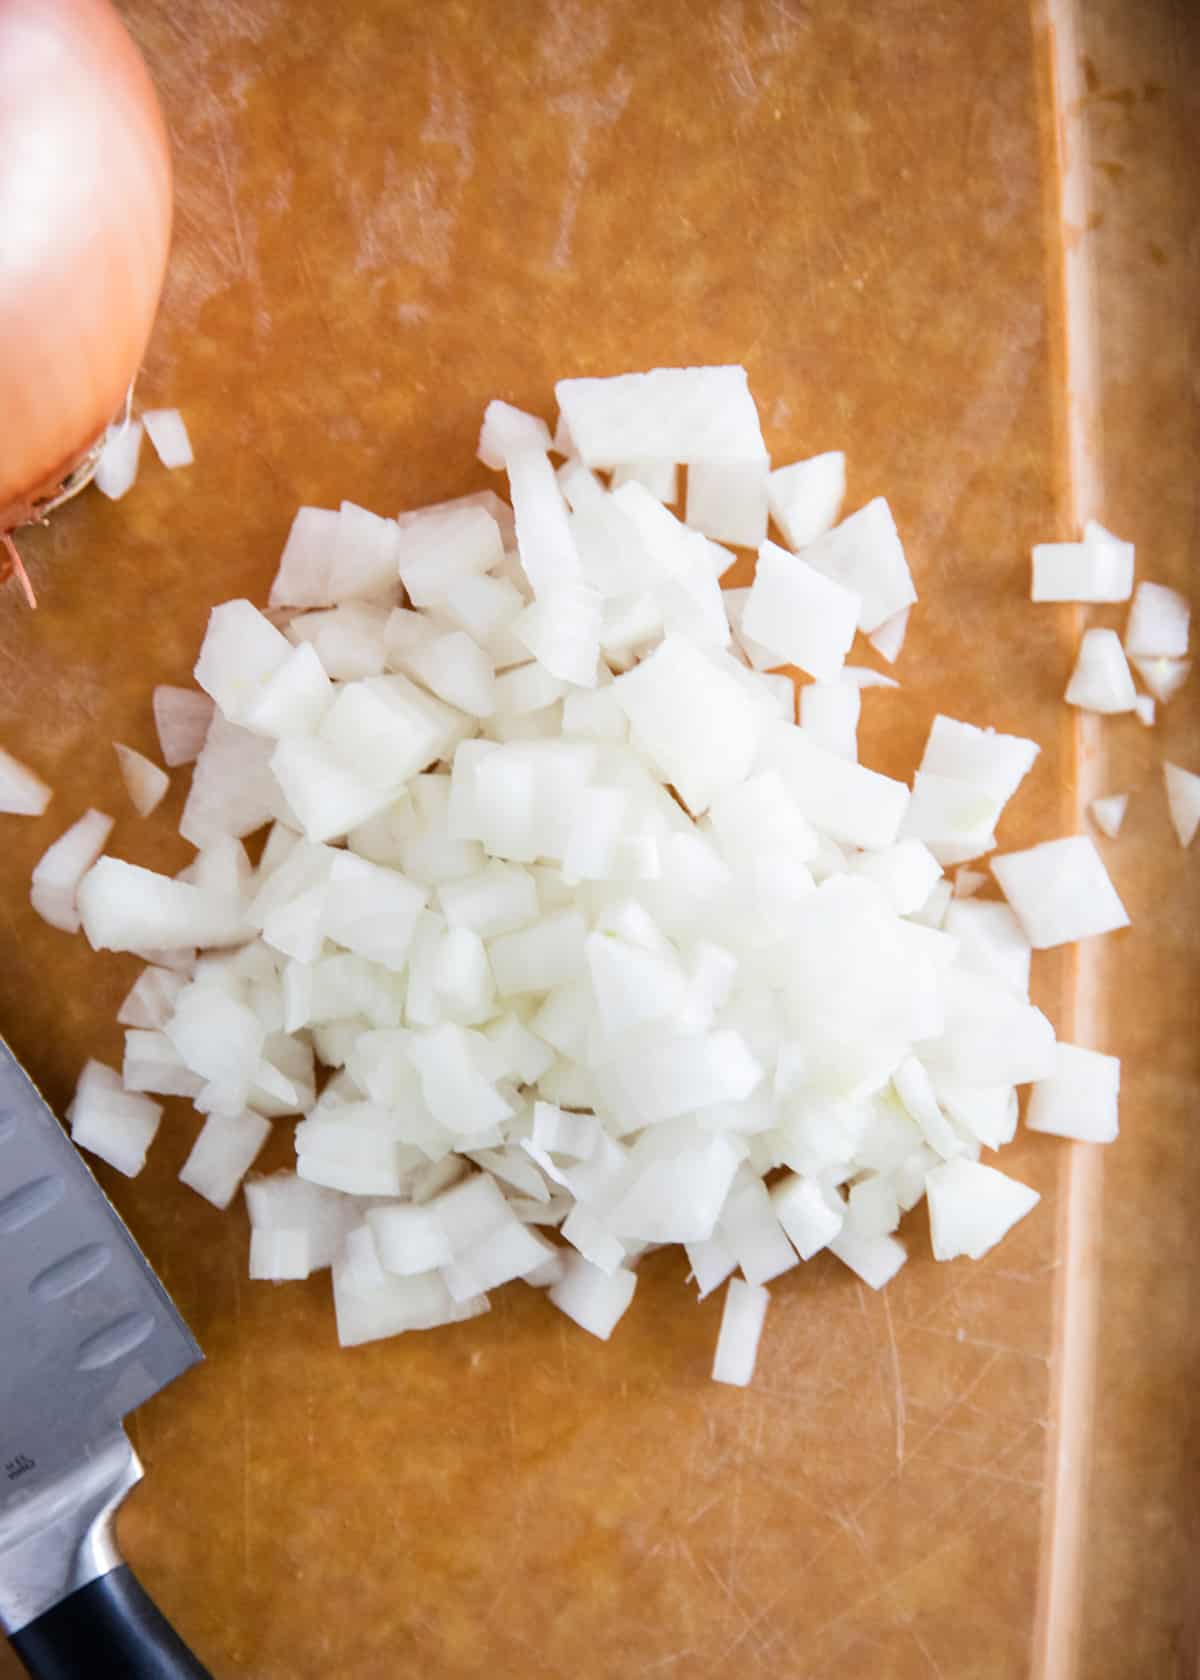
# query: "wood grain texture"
{"points": [[387, 214]]}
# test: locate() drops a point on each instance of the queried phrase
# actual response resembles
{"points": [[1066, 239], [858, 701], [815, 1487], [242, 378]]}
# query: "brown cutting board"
{"points": [[389, 213]]}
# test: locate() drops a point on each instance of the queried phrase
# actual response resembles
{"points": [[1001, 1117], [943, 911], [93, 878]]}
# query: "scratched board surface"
{"points": [[388, 213]]}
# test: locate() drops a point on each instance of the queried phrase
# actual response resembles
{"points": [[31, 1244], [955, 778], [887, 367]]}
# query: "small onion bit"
{"points": [[85, 202]]}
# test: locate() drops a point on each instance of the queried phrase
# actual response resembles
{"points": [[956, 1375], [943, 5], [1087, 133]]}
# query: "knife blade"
{"points": [[87, 1334]]}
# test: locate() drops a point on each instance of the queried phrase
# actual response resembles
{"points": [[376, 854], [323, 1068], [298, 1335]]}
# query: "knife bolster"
{"points": [[62, 1537]]}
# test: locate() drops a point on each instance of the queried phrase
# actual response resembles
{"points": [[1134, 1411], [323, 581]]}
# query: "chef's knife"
{"points": [[87, 1333]]}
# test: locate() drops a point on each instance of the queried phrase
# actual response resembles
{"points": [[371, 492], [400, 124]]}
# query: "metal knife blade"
{"points": [[87, 1333]]}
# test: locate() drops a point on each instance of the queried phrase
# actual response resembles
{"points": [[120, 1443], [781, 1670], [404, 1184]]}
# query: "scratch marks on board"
{"points": [[587, 115], [414, 217], [746, 54], [897, 1380]]}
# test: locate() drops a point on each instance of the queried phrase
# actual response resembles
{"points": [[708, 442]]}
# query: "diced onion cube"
{"points": [[1183, 800], [167, 432], [1060, 891], [1079, 1099], [1158, 623], [593, 1299], [741, 1327]]}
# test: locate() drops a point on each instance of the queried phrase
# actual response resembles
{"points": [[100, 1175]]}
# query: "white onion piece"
{"points": [[810, 1218], [847, 801], [285, 1202], [1101, 681], [990, 940], [690, 717], [1100, 568], [153, 1064], [986, 1112], [972, 1206], [799, 614], [59, 870], [1163, 677], [1158, 623], [280, 1256], [872, 1206], [954, 818], [594, 1299], [365, 1314], [990, 1035], [1060, 891], [864, 554], [223, 1154], [727, 500], [863, 677], [485, 499], [755, 654], [1145, 707], [888, 639], [1108, 813], [712, 1262], [1183, 801], [996, 763], [506, 429], [875, 1260], [751, 1228], [124, 908], [181, 718], [169, 435], [441, 550], [242, 650], [351, 641], [1079, 1099], [110, 1122], [660, 478], [806, 497], [907, 872], [117, 468], [932, 913], [741, 1327], [22, 793], [294, 699], [150, 1001], [669, 414], [145, 783]]}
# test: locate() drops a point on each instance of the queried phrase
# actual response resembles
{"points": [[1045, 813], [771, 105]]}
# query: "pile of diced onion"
{"points": [[567, 940]]}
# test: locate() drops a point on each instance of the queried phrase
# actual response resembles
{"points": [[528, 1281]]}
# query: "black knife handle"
{"points": [[109, 1630]]}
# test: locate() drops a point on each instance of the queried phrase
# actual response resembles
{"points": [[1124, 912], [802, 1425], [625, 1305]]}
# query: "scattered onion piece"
{"points": [[145, 783], [58, 872], [169, 435], [117, 468], [741, 1327], [1108, 813], [1157, 627], [1163, 677], [1079, 1099], [1101, 681], [181, 717], [22, 792], [1183, 799]]}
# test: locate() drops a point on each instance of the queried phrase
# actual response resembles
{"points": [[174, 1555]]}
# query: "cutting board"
{"points": [[387, 214]]}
